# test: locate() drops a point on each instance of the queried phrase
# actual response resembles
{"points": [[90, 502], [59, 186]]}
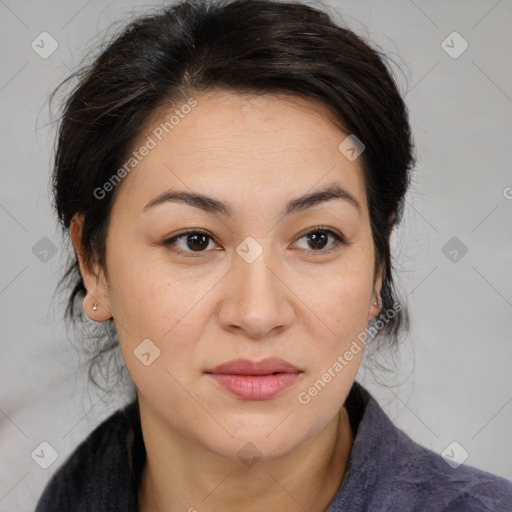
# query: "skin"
{"points": [[293, 302]]}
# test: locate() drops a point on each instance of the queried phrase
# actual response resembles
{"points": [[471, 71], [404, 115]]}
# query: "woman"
{"points": [[230, 174]]}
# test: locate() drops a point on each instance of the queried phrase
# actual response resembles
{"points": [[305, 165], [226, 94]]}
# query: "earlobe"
{"points": [[96, 303], [375, 308], [376, 300], [95, 311]]}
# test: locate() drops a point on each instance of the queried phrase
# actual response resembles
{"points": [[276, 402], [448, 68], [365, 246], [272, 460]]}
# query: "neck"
{"points": [[180, 475]]}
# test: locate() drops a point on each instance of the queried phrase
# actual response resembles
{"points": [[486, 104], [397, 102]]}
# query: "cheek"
{"points": [[162, 310], [339, 296], [150, 296], [166, 304], [342, 310], [349, 305]]}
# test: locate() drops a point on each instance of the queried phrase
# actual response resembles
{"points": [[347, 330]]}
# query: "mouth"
{"points": [[255, 380]]}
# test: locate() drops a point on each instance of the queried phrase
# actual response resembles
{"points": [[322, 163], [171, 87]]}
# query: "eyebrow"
{"points": [[211, 205]]}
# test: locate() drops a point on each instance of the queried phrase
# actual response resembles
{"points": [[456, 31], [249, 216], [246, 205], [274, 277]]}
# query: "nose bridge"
{"points": [[258, 301], [251, 266]]}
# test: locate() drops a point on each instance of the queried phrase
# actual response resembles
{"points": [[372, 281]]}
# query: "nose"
{"points": [[257, 300]]}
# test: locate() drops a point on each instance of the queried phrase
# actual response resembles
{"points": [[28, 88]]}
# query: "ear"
{"points": [[375, 302], [94, 278]]}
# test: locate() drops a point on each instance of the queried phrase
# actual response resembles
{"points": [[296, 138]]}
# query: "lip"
{"points": [[248, 367], [255, 380]]}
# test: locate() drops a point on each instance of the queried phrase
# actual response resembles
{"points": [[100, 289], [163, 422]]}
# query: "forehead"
{"points": [[229, 142]]}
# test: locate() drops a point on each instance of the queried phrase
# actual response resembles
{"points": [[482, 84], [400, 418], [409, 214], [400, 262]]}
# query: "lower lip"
{"points": [[255, 387]]}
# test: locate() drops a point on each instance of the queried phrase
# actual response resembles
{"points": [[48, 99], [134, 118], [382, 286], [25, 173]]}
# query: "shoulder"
{"points": [[98, 470], [426, 475], [424, 480], [388, 471]]}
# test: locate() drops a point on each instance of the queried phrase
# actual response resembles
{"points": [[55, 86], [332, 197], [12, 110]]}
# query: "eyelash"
{"points": [[338, 240]]}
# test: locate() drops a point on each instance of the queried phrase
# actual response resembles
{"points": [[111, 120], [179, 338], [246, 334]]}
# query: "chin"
{"points": [[252, 449], [256, 437]]}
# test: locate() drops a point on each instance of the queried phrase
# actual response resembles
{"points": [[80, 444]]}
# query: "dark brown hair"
{"points": [[254, 46]]}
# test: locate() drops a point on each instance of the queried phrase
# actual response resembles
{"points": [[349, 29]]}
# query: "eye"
{"points": [[189, 242], [195, 241], [318, 238]]}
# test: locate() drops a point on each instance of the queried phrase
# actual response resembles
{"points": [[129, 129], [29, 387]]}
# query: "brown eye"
{"points": [[189, 242], [318, 239], [196, 242]]}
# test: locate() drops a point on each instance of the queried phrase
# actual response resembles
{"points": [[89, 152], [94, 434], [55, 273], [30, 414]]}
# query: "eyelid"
{"points": [[339, 239], [188, 254], [326, 229]]}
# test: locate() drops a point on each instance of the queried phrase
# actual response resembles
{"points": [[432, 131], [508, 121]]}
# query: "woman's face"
{"points": [[256, 278]]}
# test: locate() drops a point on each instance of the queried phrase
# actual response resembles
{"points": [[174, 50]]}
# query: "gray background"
{"points": [[454, 378]]}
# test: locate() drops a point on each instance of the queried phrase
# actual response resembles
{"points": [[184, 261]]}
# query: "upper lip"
{"points": [[248, 367]]}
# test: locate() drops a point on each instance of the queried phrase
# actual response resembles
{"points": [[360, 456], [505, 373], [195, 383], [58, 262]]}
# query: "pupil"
{"points": [[316, 239], [201, 244]]}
